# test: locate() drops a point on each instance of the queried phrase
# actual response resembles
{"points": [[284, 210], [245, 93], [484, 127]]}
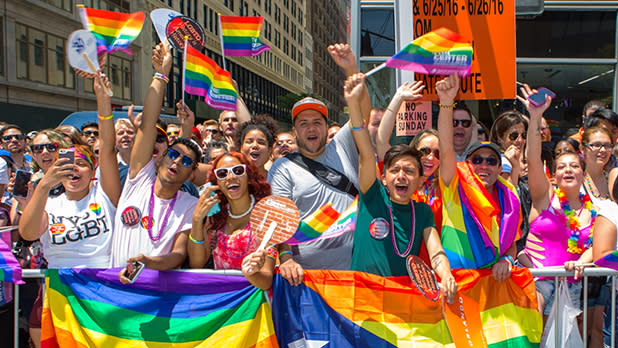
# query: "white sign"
{"points": [[160, 17], [82, 51]]}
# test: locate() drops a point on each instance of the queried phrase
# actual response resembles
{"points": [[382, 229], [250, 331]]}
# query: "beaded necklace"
{"points": [[592, 188], [429, 191], [573, 224]]}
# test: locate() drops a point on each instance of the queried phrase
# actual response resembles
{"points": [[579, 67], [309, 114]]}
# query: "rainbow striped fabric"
{"points": [[113, 30], [325, 223], [91, 308], [241, 36], [476, 231], [609, 261], [205, 78], [440, 52], [354, 309], [10, 269]]}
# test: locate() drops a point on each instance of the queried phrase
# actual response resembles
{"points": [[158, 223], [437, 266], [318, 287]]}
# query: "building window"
{"points": [[229, 4], [66, 5], [277, 14], [377, 32], [41, 58], [1, 46], [110, 5]]}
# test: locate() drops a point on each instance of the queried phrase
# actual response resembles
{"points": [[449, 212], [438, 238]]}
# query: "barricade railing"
{"points": [[539, 272]]}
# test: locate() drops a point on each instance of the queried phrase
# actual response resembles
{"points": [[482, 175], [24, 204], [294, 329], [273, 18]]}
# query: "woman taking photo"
{"points": [[237, 185]]}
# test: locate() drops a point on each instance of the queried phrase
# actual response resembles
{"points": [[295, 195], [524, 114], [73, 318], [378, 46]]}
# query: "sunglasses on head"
{"points": [[491, 161], [91, 133], [185, 160], [161, 138], [426, 151], [38, 148], [464, 123], [13, 136], [237, 170], [514, 135]]}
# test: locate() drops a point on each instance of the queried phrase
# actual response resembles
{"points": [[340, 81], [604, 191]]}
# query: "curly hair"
{"points": [[262, 122], [258, 186]]}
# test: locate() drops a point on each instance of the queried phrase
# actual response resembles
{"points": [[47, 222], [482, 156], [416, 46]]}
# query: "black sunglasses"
{"points": [[161, 138], [185, 160], [514, 135], [213, 131], [426, 151], [38, 148], [91, 133], [464, 123], [491, 161], [13, 136]]}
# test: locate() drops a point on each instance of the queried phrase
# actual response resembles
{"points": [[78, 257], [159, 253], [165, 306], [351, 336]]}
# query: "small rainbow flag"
{"points": [[325, 223], [240, 36], [114, 31], [203, 77], [609, 261], [440, 52]]}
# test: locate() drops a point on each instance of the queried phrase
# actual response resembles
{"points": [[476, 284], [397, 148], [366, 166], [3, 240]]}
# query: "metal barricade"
{"points": [[547, 272]]}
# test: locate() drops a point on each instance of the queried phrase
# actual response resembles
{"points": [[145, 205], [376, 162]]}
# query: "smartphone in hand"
{"points": [[20, 186], [538, 98], [133, 270], [66, 153]]}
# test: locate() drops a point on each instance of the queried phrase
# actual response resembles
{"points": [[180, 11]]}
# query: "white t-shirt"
{"points": [[79, 232], [4, 172], [609, 210], [131, 236]]}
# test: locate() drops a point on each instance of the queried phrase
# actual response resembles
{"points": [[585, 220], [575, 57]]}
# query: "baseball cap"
{"points": [[482, 144], [163, 132], [309, 103]]}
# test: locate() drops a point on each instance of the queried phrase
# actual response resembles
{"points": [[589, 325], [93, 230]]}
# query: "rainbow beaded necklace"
{"points": [[573, 224]]}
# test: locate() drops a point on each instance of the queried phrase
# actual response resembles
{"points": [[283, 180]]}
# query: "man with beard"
{"points": [[14, 141], [90, 133]]}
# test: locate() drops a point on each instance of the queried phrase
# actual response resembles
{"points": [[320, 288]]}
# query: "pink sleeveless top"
{"points": [[550, 229], [230, 250]]}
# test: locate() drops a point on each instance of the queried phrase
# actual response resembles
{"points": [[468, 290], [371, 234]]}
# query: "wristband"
{"points": [[105, 117], [195, 240], [362, 126], [448, 106], [161, 77], [285, 252], [272, 253], [508, 259]]}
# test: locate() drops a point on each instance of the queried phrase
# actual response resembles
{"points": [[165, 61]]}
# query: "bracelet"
{"points": [[448, 106], [508, 259], [285, 252], [195, 240], [272, 253], [161, 77], [19, 211], [358, 128], [105, 117]]}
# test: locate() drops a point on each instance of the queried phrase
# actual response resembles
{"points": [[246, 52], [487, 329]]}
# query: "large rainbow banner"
{"points": [[354, 309], [91, 308], [241, 36], [205, 78], [113, 30], [10, 269], [609, 261], [440, 52]]}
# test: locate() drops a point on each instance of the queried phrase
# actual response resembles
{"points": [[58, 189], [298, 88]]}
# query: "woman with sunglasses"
{"points": [[509, 132], [561, 219], [237, 185], [597, 149]]}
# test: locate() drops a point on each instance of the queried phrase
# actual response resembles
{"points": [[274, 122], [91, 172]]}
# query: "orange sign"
{"points": [[413, 117], [490, 25]]}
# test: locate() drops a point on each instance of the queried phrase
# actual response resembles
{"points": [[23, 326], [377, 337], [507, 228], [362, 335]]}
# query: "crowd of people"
{"points": [[180, 195]]}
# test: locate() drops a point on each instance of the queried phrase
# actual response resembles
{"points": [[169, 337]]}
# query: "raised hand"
{"points": [[205, 203], [99, 91], [343, 56], [135, 119], [535, 111], [410, 92], [162, 59], [184, 113], [354, 87], [447, 89]]}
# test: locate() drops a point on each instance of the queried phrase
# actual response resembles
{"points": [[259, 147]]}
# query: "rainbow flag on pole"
{"points": [[609, 261], [325, 223], [203, 77], [113, 30], [354, 309], [440, 52], [91, 308], [240, 36]]}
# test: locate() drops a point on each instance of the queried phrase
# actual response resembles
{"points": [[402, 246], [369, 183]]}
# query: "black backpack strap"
{"points": [[324, 173]]}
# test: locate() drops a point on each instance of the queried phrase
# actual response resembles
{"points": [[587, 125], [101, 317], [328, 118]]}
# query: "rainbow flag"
{"points": [[477, 231], [609, 261], [10, 269], [91, 308], [440, 52], [202, 76], [354, 309], [325, 223], [114, 31], [240, 36]]}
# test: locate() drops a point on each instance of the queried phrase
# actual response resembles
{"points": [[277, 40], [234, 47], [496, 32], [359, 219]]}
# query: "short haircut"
{"points": [[89, 124], [601, 114], [264, 123], [123, 122], [593, 105], [334, 124], [215, 144], [10, 126], [582, 163], [402, 150], [461, 105], [211, 123], [192, 146]]}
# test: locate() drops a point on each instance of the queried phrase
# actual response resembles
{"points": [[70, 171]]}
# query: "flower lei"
{"points": [[573, 224]]}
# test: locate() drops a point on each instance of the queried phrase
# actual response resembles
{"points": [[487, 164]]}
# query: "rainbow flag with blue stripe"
{"points": [[325, 223], [241, 36], [439, 52], [91, 308], [609, 261], [10, 269], [354, 309], [113, 30], [475, 230]]}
